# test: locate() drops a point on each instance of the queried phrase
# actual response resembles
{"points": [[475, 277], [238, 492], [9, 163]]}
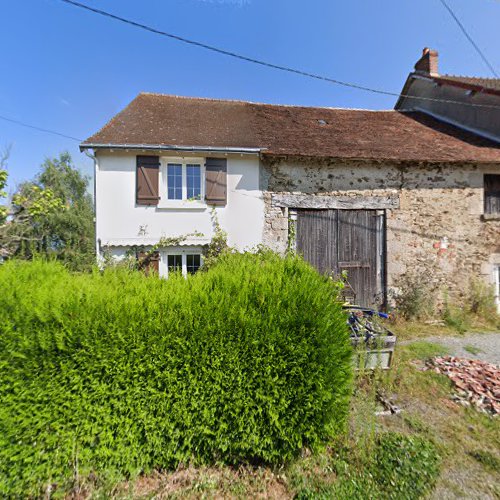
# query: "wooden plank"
{"points": [[345, 240], [147, 175], [355, 263], [380, 260], [357, 252], [316, 238], [216, 181], [335, 202]]}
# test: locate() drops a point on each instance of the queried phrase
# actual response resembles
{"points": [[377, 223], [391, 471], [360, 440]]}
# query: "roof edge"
{"points": [[368, 160], [465, 85], [171, 147], [404, 92], [443, 80], [259, 103]]}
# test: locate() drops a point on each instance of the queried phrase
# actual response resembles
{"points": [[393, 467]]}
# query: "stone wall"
{"points": [[438, 231]]}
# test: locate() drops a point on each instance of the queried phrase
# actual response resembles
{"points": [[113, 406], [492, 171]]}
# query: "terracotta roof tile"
{"points": [[485, 83], [155, 119]]}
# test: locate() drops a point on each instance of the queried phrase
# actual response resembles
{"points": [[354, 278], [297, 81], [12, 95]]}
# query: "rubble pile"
{"points": [[477, 382]]}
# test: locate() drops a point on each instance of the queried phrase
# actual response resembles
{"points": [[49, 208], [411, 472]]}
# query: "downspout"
{"points": [[96, 241]]}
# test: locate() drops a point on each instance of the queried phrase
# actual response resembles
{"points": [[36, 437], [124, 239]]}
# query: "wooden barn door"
{"points": [[346, 240]]}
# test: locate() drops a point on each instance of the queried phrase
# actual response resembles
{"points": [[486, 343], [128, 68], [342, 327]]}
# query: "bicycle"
{"points": [[363, 322]]}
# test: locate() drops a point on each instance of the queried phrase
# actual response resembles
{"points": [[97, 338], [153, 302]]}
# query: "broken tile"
{"points": [[477, 382]]}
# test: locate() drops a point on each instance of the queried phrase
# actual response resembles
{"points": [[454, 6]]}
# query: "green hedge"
{"points": [[115, 373]]}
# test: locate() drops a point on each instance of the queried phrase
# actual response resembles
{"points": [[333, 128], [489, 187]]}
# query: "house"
{"points": [[467, 102], [379, 194]]}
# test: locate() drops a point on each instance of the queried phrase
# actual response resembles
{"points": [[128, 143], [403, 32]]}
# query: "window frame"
{"points": [[184, 161], [175, 188], [168, 258], [493, 194], [183, 253]]}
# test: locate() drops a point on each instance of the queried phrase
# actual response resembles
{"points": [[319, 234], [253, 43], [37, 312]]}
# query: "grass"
{"points": [[472, 349], [411, 330], [458, 431], [487, 459], [423, 350], [468, 442]]}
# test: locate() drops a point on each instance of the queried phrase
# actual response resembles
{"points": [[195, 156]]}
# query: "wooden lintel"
{"points": [[335, 202]]}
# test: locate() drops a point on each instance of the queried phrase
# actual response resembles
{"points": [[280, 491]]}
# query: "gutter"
{"points": [[171, 147], [124, 242]]}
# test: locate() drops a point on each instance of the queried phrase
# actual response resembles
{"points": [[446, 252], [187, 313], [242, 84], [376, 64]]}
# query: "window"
{"points": [[185, 263], [174, 181], [193, 263], [182, 179], [491, 194], [174, 263], [193, 177]]}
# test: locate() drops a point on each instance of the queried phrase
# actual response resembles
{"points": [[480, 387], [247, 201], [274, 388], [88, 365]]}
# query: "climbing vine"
{"points": [[218, 244], [292, 236], [212, 251], [132, 259]]}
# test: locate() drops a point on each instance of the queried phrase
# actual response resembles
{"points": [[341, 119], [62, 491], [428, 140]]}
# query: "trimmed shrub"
{"points": [[114, 373]]}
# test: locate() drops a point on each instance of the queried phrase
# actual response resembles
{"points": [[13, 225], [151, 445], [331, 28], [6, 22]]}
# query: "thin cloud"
{"points": [[64, 101]]}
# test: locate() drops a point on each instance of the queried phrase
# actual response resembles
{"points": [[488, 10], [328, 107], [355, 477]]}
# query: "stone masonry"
{"points": [[439, 230]]}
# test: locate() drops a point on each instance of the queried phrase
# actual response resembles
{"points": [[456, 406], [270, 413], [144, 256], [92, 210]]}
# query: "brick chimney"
{"points": [[428, 63]]}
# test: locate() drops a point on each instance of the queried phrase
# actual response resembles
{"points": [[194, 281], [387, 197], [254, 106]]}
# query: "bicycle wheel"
{"points": [[375, 326]]}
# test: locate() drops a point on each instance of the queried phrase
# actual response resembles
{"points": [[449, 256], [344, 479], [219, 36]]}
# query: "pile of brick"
{"points": [[477, 382]]}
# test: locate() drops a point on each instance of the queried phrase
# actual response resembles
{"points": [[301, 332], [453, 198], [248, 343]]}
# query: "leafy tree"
{"points": [[52, 215], [3, 182]]}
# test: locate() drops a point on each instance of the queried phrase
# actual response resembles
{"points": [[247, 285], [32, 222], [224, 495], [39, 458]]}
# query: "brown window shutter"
{"points": [[149, 262], [216, 181], [148, 168]]}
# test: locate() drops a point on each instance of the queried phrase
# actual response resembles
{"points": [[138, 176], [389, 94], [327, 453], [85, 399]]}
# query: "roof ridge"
{"points": [[488, 78], [160, 94], [255, 103]]}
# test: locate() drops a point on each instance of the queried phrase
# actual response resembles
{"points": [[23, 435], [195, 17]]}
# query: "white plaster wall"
{"points": [[119, 221]]}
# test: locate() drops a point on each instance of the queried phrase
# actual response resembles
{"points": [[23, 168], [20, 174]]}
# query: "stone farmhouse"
{"points": [[379, 194]]}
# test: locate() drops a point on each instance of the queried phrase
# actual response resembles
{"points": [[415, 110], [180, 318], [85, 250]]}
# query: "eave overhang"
{"points": [[171, 147]]}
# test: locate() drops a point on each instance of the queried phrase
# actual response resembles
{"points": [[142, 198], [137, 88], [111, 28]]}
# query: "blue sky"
{"points": [[69, 70]]}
